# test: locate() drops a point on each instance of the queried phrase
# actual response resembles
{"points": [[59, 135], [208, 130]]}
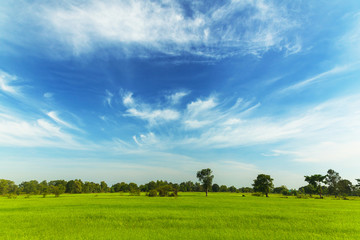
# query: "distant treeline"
{"points": [[333, 184]]}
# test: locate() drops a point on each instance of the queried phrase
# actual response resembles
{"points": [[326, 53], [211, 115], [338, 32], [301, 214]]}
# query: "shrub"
{"points": [[302, 196], [152, 193], [257, 194], [10, 196], [135, 192]]}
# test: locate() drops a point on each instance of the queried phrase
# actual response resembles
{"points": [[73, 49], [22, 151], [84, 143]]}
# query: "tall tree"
{"points": [[205, 178], [345, 187], [315, 181], [263, 183], [332, 179]]}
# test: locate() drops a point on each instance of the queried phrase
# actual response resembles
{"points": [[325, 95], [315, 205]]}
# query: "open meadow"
{"points": [[189, 216]]}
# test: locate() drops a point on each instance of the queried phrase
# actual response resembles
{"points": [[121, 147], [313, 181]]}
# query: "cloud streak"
{"points": [[5, 86], [167, 27], [146, 112]]}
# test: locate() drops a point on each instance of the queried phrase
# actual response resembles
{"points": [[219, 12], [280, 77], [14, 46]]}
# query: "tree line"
{"points": [[329, 184]]}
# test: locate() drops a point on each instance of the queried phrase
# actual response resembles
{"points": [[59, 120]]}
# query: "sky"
{"points": [[137, 91]]}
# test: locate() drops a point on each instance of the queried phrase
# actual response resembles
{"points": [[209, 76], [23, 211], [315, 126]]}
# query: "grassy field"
{"points": [[189, 216]]}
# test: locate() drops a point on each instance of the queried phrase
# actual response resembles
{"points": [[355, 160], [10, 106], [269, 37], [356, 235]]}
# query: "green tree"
{"points": [[205, 178], [232, 189], [345, 187], [332, 179], [315, 181], [282, 189], [104, 187], [74, 186], [44, 188], [215, 187], [7, 186], [263, 183], [30, 187], [223, 188]]}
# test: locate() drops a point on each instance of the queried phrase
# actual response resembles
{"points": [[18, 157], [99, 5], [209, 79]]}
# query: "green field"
{"points": [[189, 216]]}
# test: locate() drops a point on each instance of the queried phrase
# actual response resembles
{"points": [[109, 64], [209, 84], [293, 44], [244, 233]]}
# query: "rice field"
{"points": [[189, 216]]}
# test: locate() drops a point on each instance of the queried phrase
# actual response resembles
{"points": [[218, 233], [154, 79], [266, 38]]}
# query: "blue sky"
{"points": [[145, 90]]}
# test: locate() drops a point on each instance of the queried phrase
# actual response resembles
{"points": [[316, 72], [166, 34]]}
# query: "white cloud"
{"points": [[200, 106], [5, 85], [135, 27], [331, 121], [193, 124], [314, 79], [127, 98], [146, 111], [54, 116], [153, 116], [34, 133], [48, 95], [176, 97], [148, 139], [108, 97]]}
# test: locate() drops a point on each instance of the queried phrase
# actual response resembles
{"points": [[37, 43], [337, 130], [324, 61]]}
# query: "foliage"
{"points": [[263, 183], [332, 179], [167, 190], [205, 177], [345, 187], [215, 188], [152, 193], [315, 181], [223, 188]]}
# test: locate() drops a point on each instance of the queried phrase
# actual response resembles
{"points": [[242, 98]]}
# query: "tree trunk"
{"points": [[206, 192], [266, 194]]}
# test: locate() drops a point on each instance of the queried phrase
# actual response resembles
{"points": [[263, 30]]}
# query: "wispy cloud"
{"points": [[5, 83], [167, 27], [320, 77], [108, 98], [54, 116], [48, 95], [15, 131], [146, 112], [176, 97]]}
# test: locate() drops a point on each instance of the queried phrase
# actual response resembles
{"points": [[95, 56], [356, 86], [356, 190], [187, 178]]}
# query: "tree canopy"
{"points": [[263, 183], [205, 178]]}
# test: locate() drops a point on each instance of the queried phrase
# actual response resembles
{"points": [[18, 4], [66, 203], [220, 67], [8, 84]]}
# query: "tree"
{"points": [[345, 187], [223, 188], [315, 181], [44, 188], [205, 178], [281, 190], [232, 189], [104, 186], [215, 188], [263, 183], [332, 179], [7, 186], [30, 187], [74, 186]]}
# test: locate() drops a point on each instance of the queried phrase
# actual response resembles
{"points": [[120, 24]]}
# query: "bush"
{"points": [[11, 196], [302, 196], [152, 193], [257, 194], [135, 192]]}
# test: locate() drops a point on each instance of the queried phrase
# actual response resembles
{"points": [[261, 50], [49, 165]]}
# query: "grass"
{"points": [[190, 216]]}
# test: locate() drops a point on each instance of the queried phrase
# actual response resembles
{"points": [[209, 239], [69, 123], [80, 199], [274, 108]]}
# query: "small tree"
{"points": [[315, 181], [205, 178], [263, 183], [215, 187]]}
